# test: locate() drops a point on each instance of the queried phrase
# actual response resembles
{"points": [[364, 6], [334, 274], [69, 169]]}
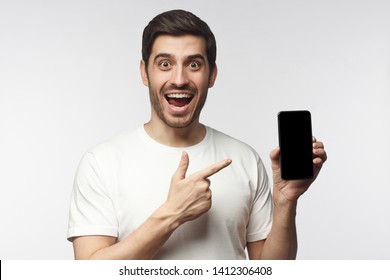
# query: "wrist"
{"points": [[281, 202], [285, 210], [166, 218]]}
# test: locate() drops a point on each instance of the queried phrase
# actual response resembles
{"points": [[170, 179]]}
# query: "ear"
{"points": [[144, 74], [213, 76]]}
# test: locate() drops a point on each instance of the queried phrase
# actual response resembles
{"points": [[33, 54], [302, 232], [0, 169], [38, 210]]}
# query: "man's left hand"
{"points": [[289, 191]]}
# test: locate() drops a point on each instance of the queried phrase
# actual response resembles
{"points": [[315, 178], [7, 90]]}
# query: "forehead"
{"points": [[179, 46]]}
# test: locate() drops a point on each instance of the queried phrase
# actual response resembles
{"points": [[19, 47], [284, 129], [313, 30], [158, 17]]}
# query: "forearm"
{"points": [[282, 242], [188, 199], [144, 242]]}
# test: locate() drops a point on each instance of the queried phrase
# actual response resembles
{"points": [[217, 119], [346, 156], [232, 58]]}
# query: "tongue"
{"points": [[179, 102]]}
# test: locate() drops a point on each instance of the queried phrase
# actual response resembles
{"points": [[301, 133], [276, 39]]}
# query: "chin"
{"points": [[179, 123]]}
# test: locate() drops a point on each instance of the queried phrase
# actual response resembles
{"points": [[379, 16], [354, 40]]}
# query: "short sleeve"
{"points": [[91, 207], [260, 220]]}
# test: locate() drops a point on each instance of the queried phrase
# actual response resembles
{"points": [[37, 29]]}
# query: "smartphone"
{"points": [[295, 142]]}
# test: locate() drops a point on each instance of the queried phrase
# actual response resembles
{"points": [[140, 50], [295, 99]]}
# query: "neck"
{"points": [[176, 137]]}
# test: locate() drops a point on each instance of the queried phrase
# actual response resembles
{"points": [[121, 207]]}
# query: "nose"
{"points": [[179, 77]]}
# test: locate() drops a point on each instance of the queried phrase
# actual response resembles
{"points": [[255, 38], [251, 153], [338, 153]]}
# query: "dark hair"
{"points": [[176, 23]]}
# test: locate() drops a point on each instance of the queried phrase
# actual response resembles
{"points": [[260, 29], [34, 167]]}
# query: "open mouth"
{"points": [[179, 99]]}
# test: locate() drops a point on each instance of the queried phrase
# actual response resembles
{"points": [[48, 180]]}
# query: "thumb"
{"points": [[274, 156], [180, 173]]}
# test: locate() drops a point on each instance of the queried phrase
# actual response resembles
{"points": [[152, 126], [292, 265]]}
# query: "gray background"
{"points": [[69, 78]]}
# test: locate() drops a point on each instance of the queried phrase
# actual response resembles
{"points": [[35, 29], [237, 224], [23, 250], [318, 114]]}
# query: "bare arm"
{"points": [[282, 240], [188, 199], [143, 243]]}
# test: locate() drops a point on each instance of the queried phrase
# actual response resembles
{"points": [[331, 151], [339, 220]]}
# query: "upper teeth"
{"points": [[179, 95]]}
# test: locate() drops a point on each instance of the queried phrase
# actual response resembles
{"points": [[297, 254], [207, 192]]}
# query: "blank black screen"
{"points": [[295, 141]]}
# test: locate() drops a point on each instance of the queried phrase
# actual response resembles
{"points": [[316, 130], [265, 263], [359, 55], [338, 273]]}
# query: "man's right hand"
{"points": [[190, 197]]}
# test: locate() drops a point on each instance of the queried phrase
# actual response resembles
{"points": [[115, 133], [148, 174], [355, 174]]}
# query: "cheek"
{"points": [[158, 82], [201, 81]]}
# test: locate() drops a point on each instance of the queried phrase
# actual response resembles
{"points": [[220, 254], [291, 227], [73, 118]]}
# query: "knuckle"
{"points": [[204, 186], [208, 206]]}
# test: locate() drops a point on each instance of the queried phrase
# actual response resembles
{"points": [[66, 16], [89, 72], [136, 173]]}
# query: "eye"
{"points": [[165, 64], [194, 65]]}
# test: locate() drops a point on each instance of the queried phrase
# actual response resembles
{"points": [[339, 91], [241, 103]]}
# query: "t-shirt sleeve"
{"points": [[260, 220], [91, 207]]}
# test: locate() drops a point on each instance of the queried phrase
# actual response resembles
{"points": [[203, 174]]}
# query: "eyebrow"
{"points": [[196, 56], [190, 57], [163, 55]]}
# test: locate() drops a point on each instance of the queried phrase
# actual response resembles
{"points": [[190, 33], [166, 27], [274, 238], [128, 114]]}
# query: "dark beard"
{"points": [[157, 106]]}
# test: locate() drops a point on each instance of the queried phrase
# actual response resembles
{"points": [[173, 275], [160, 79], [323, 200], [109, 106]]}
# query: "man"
{"points": [[174, 188]]}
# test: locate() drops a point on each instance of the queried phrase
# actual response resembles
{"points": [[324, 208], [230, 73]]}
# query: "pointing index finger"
{"points": [[214, 168]]}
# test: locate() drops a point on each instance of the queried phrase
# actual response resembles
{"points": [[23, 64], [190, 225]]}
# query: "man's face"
{"points": [[178, 76]]}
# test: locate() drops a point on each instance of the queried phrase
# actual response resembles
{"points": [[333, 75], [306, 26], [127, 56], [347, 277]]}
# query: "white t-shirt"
{"points": [[121, 182]]}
